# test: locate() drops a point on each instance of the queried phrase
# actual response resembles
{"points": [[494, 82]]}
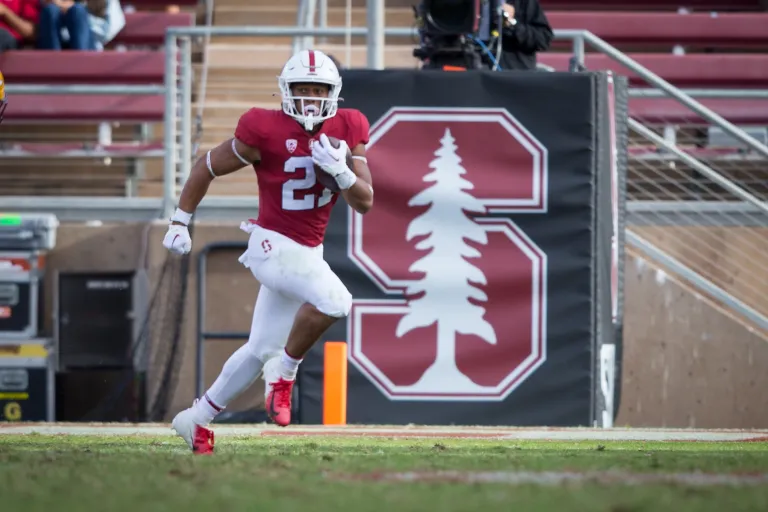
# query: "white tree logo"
{"points": [[450, 280]]}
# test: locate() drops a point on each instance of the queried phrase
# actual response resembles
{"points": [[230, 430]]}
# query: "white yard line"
{"points": [[559, 434]]}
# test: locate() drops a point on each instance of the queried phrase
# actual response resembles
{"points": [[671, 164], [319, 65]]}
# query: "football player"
{"points": [[300, 296]]}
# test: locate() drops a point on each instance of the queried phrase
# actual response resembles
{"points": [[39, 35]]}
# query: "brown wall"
{"points": [[231, 288], [686, 362]]}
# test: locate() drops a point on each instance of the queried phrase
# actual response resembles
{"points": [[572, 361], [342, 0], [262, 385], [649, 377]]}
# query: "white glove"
{"points": [[177, 239], [333, 161]]}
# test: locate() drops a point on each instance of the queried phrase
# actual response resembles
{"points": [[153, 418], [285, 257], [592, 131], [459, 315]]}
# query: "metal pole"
{"points": [[309, 22], [736, 94], [186, 109], [297, 42], [674, 92], [169, 167], [348, 34], [375, 18], [200, 353], [578, 50], [667, 261], [703, 169], [323, 15]]}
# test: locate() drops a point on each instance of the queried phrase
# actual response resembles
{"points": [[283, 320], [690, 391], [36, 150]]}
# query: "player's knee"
{"points": [[337, 303], [263, 349]]}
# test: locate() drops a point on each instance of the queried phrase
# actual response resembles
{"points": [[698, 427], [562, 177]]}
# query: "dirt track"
{"points": [[563, 434]]}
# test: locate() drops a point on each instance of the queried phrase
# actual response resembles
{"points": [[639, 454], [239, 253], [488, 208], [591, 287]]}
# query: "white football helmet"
{"points": [[310, 66]]}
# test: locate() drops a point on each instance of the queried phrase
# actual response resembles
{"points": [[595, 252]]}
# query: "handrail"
{"points": [[203, 85], [740, 94], [713, 175], [674, 92], [700, 282]]}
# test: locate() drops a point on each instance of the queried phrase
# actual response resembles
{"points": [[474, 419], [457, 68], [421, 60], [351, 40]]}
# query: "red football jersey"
{"points": [[291, 201]]}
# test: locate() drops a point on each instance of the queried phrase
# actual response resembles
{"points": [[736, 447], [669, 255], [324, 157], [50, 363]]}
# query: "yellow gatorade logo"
{"points": [[12, 411]]}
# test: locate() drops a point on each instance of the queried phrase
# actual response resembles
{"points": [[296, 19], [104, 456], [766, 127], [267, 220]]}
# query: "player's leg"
{"points": [[325, 301], [301, 273], [273, 317]]}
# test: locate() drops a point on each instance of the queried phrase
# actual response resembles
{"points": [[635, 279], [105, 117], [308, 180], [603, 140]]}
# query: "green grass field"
{"points": [[60, 473]]}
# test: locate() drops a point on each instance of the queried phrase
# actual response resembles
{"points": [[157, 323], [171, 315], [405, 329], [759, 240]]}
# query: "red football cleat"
{"points": [[279, 401], [199, 439], [202, 443]]}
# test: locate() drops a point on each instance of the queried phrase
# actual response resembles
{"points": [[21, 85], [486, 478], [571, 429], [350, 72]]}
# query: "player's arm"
{"points": [[226, 158], [360, 195]]}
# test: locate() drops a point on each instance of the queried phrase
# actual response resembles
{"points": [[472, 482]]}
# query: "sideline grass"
{"points": [[145, 473]]}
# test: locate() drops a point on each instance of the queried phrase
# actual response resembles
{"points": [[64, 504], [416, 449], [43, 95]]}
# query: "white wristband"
{"points": [[346, 179], [181, 216]]}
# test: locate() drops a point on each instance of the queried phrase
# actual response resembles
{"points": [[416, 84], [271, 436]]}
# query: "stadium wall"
{"points": [[686, 362]]}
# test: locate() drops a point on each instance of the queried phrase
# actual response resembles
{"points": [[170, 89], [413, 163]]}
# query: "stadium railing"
{"points": [[711, 194]]}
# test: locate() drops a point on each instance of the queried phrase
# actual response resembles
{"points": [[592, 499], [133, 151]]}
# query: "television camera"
{"points": [[447, 29]]}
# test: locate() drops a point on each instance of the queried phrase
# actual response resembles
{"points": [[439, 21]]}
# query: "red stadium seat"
{"points": [[668, 29], [652, 5], [86, 108], [52, 67], [98, 68], [148, 28], [692, 70], [158, 4]]}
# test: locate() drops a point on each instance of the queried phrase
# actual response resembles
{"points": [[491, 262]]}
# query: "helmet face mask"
{"points": [[304, 69]]}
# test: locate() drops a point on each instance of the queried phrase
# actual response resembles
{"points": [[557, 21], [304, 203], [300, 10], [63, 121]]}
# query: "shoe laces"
{"points": [[282, 389]]}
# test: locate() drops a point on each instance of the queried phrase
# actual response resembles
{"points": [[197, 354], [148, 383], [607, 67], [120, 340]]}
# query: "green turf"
{"points": [[73, 473]]}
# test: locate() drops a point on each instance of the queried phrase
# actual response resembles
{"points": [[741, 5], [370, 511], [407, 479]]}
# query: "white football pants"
{"points": [[290, 274]]}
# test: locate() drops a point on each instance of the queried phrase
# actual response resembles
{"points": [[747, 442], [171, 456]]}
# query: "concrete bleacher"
{"points": [[242, 71]]}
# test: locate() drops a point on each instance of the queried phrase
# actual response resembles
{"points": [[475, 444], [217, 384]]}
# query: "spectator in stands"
{"points": [[525, 31], [79, 25], [105, 28], [17, 22]]}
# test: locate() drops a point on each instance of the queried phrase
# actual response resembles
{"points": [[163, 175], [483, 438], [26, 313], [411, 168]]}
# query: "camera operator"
{"points": [[525, 31]]}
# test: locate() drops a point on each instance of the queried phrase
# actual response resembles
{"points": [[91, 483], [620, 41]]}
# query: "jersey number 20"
{"points": [[296, 195]]}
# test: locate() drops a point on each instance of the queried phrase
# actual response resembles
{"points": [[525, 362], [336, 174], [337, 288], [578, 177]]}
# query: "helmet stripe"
{"points": [[312, 62]]}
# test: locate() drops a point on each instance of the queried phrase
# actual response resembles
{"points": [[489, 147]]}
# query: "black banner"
{"points": [[476, 273]]}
